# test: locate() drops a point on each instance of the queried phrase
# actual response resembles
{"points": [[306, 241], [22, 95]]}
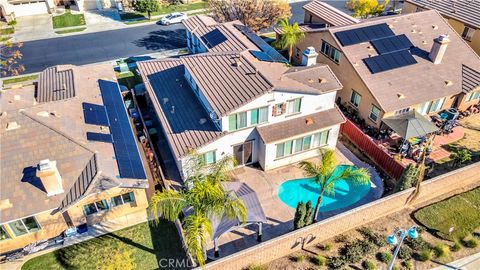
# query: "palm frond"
{"points": [[234, 207], [198, 231], [168, 204]]}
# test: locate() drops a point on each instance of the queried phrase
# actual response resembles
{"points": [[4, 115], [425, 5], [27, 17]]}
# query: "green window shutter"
{"points": [[241, 120], [263, 115], [254, 117], [324, 137], [210, 157], [298, 145], [232, 122], [280, 148], [306, 142], [298, 103], [288, 148]]}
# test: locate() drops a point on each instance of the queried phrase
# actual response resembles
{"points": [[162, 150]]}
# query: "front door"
{"points": [[243, 153]]}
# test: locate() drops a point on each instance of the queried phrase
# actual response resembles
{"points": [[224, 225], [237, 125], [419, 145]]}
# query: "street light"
{"points": [[393, 240]]}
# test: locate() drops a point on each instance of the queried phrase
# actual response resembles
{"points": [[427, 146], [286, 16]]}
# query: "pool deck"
{"points": [[279, 215]]}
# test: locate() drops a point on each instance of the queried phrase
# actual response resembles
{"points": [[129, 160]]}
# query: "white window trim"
{"points": [[288, 106], [470, 33], [302, 151], [23, 223], [6, 231], [359, 101], [371, 112], [121, 197], [96, 207]]}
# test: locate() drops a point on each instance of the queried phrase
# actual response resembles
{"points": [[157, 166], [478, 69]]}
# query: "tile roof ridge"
{"points": [[336, 10]]}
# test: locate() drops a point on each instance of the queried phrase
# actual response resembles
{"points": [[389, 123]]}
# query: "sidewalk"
{"points": [[468, 263]]}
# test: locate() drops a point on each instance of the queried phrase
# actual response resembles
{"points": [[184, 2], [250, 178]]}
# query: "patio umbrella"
{"points": [[410, 125]]}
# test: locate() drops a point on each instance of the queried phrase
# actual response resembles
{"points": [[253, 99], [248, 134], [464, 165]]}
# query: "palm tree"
{"points": [[323, 175], [205, 198], [421, 168], [291, 35]]}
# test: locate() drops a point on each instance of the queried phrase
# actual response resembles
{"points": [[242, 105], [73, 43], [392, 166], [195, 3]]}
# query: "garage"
{"points": [[27, 8]]}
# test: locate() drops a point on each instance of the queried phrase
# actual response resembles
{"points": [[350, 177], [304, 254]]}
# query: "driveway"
{"points": [[34, 27]]}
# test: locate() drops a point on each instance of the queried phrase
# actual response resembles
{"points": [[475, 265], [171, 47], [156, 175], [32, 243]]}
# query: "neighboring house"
{"points": [[244, 101], [462, 15], [390, 65], [59, 168]]}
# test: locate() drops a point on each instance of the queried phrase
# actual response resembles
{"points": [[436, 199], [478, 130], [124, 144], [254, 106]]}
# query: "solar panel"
{"points": [[126, 152], [364, 34], [94, 114], [99, 137], [261, 56], [273, 55], [213, 38], [392, 44], [389, 61]]}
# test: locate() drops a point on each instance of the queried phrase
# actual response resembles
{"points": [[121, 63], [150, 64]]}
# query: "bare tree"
{"points": [[256, 14], [10, 54]]}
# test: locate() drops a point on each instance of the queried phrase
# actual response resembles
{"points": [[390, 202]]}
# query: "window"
{"points": [[355, 98], [294, 105], [122, 199], [95, 207], [431, 106], [402, 111], [468, 33], [298, 52], [279, 109], [3, 233], [302, 144], [473, 95], [419, 9], [24, 226], [208, 158], [237, 121], [259, 116], [374, 113], [331, 52]]}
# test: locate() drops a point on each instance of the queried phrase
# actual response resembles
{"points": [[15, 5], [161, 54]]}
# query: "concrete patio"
{"points": [[279, 215]]}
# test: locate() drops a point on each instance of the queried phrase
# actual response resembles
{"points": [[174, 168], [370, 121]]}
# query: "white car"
{"points": [[176, 17]]}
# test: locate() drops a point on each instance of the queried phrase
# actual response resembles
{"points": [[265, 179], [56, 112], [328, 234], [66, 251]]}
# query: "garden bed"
{"points": [[68, 20], [20, 79]]}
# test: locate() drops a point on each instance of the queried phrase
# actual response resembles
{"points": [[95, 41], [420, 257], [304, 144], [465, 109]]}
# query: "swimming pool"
{"points": [[302, 190]]}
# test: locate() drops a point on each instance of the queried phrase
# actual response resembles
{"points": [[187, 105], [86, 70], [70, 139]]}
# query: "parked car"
{"points": [[176, 17]]}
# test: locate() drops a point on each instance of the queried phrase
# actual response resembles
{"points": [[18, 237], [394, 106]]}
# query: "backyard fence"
{"points": [[385, 161]]}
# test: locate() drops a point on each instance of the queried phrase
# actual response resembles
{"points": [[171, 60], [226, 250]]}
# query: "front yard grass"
{"points": [[70, 30], [7, 31], [20, 79], [145, 243], [68, 20], [462, 212], [165, 9]]}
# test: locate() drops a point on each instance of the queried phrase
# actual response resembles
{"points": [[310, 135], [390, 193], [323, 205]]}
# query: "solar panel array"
{"points": [[267, 52], [213, 38], [94, 114], [364, 34], [126, 152], [99, 137], [392, 44], [389, 61]]}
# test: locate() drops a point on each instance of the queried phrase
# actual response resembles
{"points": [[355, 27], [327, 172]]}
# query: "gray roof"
{"points": [[328, 13], [466, 11], [471, 79], [228, 80], [300, 125], [421, 82], [410, 125], [187, 126], [54, 84]]}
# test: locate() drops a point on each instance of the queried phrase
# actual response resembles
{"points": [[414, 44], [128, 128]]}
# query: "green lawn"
{"points": [[461, 212], [70, 30], [68, 20], [165, 9], [20, 79], [147, 244], [7, 31]]}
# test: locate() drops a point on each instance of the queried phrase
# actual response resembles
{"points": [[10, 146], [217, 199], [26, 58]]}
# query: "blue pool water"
{"points": [[294, 191]]}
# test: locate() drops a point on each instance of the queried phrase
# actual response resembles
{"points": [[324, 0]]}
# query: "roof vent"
{"points": [[43, 114], [173, 109], [12, 125], [424, 42], [5, 204], [238, 63], [322, 80], [165, 100], [434, 27], [17, 97], [413, 31], [48, 173], [438, 49], [54, 113], [202, 121], [310, 80], [391, 26], [448, 83], [309, 121], [401, 96]]}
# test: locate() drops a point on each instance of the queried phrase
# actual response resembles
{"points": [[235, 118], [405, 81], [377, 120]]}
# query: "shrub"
{"points": [[308, 213], [456, 246], [327, 246], [405, 253], [319, 260], [385, 257], [418, 244], [369, 265], [470, 241], [426, 255], [255, 267], [336, 263], [13, 22], [442, 250], [395, 267], [408, 178], [460, 156], [356, 250], [299, 219], [299, 258], [408, 264], [342, 238], [376, 238]]}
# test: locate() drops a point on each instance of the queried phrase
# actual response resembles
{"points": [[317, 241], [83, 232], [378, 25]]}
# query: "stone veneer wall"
{"points": [[281, 246]]}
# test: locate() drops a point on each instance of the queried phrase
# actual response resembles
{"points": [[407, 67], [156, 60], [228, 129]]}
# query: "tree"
{"points": [[291, 35], [207, 199], [408, 178], [299, 219], [117, 260], [147, 6], [323, 174], [308, 213], [421, 167], [9, 57], [365, 8], [256, 14]]}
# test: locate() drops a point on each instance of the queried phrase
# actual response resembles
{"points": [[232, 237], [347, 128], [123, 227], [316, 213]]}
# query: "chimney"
{"points": [[309, 57], [48, 173], [438, 49]]}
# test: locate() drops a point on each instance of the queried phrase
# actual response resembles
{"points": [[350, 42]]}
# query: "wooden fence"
{"points": [[384, 160]]}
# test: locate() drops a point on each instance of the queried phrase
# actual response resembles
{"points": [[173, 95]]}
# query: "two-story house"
{"points": [[463, 16], [391, 65], [244, 101], [68, 157]]}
